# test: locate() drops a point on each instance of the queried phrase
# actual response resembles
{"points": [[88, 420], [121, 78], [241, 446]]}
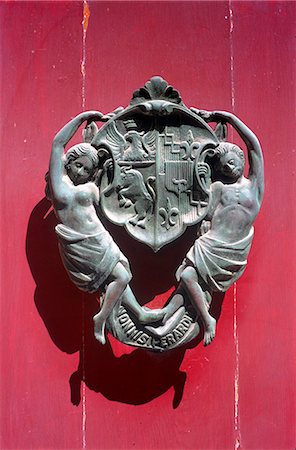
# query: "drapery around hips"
{"points": [[218, 263], [88, 259]]}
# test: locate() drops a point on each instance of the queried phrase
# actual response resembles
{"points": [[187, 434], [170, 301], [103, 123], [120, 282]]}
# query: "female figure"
{"points": [[90, 256], [218, 257]]}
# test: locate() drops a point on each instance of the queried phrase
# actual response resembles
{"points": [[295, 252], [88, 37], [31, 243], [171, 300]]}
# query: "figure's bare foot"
{"points": [[151, 315], [168, 325], [176, 302], [210, 331], [99, 329]]}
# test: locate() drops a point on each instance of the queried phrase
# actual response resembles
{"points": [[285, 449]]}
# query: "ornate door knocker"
{"points": [[155, 168]]}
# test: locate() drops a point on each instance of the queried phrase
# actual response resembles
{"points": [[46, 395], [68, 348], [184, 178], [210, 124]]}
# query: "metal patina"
{"points": [[155, 144], [155, 167]]}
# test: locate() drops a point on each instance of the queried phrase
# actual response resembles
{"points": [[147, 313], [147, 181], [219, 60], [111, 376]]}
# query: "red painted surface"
{"points": [[134, 399]]}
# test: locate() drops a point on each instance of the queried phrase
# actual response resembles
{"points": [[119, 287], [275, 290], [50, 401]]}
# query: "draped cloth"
{"points": [[88, 259], [218, 263]]}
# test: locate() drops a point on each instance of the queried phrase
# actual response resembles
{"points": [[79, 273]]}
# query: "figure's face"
{"points": [[231, 166], [80, 170]]}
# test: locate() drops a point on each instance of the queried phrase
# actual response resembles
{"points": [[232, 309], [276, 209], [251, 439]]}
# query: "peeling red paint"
{"points": [[86, 15]]}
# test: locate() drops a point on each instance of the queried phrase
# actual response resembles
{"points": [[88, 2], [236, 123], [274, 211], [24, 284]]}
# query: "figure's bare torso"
{"points": [[237, 206], [77, 210]]}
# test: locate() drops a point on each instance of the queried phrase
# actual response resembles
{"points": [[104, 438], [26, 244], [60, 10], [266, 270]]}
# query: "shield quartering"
{"points": [[152, 187]]}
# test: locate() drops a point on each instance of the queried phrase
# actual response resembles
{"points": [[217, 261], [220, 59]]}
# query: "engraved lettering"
{"points": [[186, 321], [137, 335], [143, 339], [177, 334], [124, 318], [156, 342], [182, 328], [170, 339], [128, 325], [131, 331], [121, 311], [149, 341], [163, 342]]}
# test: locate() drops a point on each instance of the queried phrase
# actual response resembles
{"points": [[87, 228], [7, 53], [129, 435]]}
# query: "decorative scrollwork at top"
{"points": [[156, 89]]}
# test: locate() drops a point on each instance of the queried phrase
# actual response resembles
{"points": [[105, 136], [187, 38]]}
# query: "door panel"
{"points": [[236, 393]]}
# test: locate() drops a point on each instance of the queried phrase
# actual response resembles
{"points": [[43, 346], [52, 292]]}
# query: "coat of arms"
{"points": [[156, 144]]}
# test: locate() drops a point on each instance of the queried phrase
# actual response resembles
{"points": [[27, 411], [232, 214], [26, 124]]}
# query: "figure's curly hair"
{"points": [[226, 147], [83, 149]]}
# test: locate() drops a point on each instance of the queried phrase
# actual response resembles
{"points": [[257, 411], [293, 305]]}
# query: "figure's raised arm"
{"points": [[255, 156], [56, 164]]}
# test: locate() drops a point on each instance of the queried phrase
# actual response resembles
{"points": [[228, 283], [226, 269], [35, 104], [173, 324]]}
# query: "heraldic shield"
{"points": [[150, 184]]}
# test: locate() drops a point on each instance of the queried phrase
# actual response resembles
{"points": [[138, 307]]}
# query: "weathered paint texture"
{"points": [[60, 388]]}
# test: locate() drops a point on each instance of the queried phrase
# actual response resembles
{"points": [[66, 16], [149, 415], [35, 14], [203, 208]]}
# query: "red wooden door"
{"points": [[60, 389]]}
